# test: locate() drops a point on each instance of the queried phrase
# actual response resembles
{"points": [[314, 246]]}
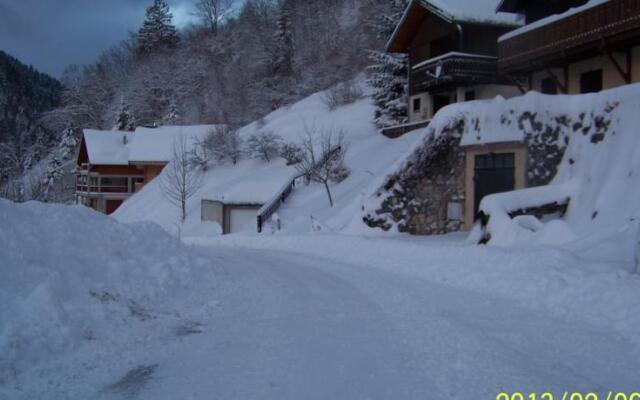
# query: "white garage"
{"points": [[243, 219], [232, 217]]}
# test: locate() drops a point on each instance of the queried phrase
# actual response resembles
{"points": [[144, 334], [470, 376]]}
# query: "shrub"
{"points": [[292, 153], [342, 94], [264, 145]]}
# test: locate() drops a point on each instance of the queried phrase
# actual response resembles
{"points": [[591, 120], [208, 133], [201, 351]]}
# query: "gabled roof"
{"points": [[152, 145], [145, 145], [452, 11], [107, 147]]}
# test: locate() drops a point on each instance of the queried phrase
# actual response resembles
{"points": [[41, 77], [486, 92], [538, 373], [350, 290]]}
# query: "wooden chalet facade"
{"points": [[112, 165], [452, 53], [572, 46]]}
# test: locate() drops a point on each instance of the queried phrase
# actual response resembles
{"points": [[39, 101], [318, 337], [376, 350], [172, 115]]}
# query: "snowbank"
{"points": [[72, 277]]}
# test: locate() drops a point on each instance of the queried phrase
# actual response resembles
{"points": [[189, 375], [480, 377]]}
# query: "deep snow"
{"points": [[256, 181], [289, 317]]}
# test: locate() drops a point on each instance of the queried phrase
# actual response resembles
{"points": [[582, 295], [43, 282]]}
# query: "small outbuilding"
{"points": [[233, 217]]}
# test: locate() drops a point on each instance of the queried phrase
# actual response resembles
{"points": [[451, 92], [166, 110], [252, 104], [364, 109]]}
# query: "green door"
{"points": [[494, 173]]}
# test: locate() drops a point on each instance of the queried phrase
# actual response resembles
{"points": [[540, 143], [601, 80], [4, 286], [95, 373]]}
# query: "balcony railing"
{"points": [[453, 69], [93, 183], [600, 25]]}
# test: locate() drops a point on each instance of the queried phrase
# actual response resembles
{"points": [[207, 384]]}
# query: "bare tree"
{"points": [[321, 160], [180, 180], [264, 145], [226, 144], [342, 94], [213, 12], [222, 144]]}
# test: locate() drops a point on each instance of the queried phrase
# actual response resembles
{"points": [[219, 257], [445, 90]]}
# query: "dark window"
{"points": [[417, 104], [591, 82], [470, 95], [549, 86], [440, 101]]}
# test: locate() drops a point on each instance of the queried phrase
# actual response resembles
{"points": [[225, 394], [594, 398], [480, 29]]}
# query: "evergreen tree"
{"points": [[125, 121], [389, 77], [388, 74], [157, 31]]}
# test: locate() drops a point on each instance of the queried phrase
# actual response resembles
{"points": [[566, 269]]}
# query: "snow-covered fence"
{"points": [[270, 207]]}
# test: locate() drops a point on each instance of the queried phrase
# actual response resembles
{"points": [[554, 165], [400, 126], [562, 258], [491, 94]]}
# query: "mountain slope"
{"points": [[24, 94], [255, 181]]}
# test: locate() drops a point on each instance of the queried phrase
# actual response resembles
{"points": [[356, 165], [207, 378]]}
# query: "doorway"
{"points": [[493, 173], [440, 101]]}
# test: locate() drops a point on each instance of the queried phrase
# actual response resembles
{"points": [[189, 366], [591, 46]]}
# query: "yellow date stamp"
{"points": [[611, 395]]}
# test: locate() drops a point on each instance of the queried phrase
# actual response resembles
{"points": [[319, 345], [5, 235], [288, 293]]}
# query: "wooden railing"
{"points": [[453, 68], [592, 26], [91, 182], [396, 131], [269, 208]]}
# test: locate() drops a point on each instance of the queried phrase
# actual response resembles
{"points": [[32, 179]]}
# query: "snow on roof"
{"points": [[145, 145], [466, 11], [551, 19], [451, 54], [107, 147], [156, 144], [480, 11]]}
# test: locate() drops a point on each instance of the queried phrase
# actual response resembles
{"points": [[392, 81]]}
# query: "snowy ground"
{"points": [[316, 316], [369, 154]]}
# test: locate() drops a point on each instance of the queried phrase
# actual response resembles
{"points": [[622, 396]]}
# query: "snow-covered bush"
{"points": [[342, 94], [264, 145], [339, 173], [292, 153]]}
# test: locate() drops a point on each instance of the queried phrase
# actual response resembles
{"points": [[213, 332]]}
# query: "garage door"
{"points": [[243, 220]]}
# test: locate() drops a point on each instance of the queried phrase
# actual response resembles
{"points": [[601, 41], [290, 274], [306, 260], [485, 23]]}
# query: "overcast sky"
{"points": [[51, 34]]}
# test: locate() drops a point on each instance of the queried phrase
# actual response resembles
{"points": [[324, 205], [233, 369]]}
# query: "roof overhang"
{"points": [[411, 20], [414, 15]]}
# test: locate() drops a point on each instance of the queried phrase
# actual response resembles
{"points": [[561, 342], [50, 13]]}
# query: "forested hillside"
{"points": [[242, 61], [235, 67], [25, 94]]}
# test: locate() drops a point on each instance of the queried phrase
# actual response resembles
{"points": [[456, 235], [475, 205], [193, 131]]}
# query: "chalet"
{"points": [[452, 49], [572, 46], [112, 165]]}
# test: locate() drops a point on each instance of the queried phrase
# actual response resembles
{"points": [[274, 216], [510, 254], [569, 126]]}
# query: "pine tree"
{"points": [[388, 74], [125, 121], [157, 31], [389, 77]]}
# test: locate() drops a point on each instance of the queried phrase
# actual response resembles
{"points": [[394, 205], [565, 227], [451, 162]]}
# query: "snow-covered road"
{"points": [[302, 327], [304, 323]]}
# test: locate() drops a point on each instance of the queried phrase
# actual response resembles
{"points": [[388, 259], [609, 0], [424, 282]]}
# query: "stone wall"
{"points": [[416, 200]]}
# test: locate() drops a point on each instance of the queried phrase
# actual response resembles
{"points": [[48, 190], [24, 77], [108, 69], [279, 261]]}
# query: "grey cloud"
{"points": [[51, 34]]}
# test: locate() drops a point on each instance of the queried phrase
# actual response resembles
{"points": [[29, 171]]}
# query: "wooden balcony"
{"points": [[451, 70], [613, 25], [91, 183]]}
